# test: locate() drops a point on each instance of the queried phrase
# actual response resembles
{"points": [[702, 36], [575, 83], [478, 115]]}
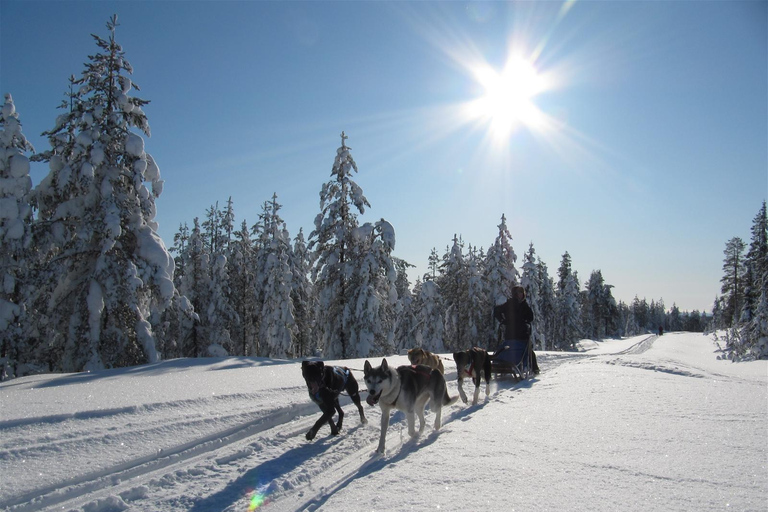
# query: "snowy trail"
{"points": [[122, 476], [231, 433]]}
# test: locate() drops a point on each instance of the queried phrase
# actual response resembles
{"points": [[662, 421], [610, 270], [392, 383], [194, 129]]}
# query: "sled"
{"points": [[514, 358]]}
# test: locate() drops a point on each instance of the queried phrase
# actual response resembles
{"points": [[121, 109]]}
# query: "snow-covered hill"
{"points": [[640, 424]]}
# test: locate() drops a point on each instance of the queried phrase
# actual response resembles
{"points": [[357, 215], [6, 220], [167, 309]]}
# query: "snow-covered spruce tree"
{"points": [[219, 316], [196, 287], [430, 311], [220, 313], [332, 244], [405, 314], [480, 323], [370, 311], [500, 275], [304, 300], [16, 242], [405, 310], [500, 272], [454, 284], [547, 305], [115, 273], [530, 280], [599, 307], [733, 280], [277, 326], [755, 264], [179, 247], [568, 307], [754, 316], [242, 263]]}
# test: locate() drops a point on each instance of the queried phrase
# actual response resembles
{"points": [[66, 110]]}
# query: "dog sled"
{"points": [[514, 358]]}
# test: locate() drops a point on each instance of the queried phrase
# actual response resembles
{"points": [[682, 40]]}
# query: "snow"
{"points": [[646, 423]]}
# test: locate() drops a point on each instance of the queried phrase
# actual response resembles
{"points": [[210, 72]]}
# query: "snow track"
{"points": [[122, 477], [203, 448]]}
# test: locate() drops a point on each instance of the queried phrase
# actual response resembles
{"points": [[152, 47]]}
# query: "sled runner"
{"points": [[514, 358]]}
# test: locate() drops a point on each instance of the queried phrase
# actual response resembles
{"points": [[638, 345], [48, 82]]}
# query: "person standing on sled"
{"points": [[516, 316]]}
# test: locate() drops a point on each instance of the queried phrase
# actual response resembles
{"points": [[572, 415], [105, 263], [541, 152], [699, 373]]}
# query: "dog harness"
{"points": [[342, 373]]}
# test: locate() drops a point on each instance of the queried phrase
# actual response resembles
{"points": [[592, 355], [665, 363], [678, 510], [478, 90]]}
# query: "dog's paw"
{"points": [[310, 435], [364, 421]]}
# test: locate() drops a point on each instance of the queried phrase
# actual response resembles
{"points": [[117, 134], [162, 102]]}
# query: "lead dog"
{"points": [[324, 384], [420, 356], [408, 389], [473, 364]]}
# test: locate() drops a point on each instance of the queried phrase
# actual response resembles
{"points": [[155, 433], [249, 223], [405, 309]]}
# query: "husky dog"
{"points": [[469, 364], [324, 384], [407, 388], [420, 356]]}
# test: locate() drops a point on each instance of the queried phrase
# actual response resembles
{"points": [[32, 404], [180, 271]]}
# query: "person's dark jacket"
{"points": [[516, 317]]}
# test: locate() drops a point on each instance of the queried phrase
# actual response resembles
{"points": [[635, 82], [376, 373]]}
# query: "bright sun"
{"points": [[508, 100]]}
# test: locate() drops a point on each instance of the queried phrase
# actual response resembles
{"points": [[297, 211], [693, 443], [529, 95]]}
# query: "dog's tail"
{"points": [[447, 400]]}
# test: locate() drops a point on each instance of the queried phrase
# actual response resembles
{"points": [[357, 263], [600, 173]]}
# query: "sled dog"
{"points": [[474, 364], [324, 384], [407, 388], [420, 356]]}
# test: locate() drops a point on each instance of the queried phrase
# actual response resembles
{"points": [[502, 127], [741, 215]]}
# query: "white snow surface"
{"points": [[646, 423]]}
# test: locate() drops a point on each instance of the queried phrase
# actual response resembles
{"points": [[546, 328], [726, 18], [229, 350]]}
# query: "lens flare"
{"points": [[258, 498]]}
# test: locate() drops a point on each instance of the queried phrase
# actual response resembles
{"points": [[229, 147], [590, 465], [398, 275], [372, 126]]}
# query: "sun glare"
{"points": [[508, 100]]}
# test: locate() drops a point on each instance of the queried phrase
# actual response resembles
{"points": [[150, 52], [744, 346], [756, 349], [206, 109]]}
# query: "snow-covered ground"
{"points": [[647, 423]]}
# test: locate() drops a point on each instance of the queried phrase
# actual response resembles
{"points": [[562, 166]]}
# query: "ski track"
{"points": [[268, 455]]}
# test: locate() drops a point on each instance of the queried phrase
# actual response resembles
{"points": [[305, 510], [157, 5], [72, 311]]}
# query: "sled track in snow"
{"points": [[641, 346], [121, 475], [268, 455]]}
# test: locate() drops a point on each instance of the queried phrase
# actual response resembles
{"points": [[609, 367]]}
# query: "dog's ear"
{"points": [[384, 365], [304, 364], [320, 364], [367, 368]]}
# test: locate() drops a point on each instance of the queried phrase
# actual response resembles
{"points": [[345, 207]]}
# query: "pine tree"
{"points": [[755, 265], [116, 275], [568, 306], [15, 238], [429, 310], [733, 280], [405, 312], [195, 286], [303, 297], [371, 291], [531, 281], [454, 285], [243, 291], [547, 305], [500, 272], [600, 307], [179, 247], [277, 327], [754, 333], [332, 243]]}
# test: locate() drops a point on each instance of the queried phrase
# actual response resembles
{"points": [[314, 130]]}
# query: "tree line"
{"points": [[742, 309], [88, 284]]}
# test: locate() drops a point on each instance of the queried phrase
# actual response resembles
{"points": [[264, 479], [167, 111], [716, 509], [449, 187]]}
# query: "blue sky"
{"points": [[646, 152]]}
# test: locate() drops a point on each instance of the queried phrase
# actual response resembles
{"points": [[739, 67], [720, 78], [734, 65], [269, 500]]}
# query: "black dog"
{"points": [[324, 384], [470, 363]]}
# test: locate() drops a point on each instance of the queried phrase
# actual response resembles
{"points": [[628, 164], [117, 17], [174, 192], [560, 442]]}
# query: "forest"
{"points": [[88, 283]]}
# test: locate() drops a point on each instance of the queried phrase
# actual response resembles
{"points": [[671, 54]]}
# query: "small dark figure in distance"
{"points": [[661, 330], [324, 384], [516, 316]]}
